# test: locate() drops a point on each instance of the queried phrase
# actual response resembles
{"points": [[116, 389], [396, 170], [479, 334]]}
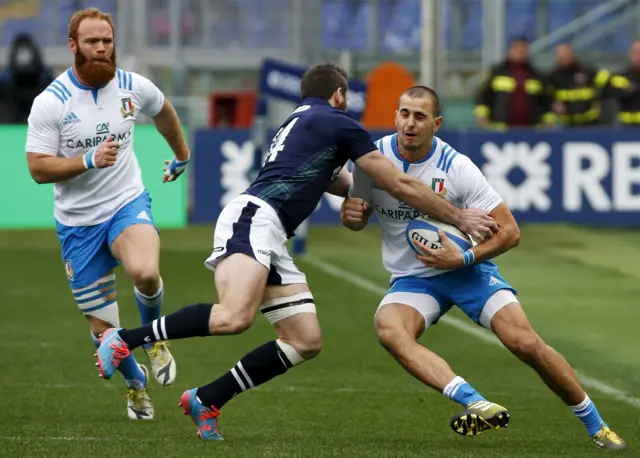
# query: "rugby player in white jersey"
{"points": [[80, 137], [424, 289]]}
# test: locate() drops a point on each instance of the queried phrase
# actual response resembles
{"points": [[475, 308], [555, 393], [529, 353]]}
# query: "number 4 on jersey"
{"points": [[277, 144]]}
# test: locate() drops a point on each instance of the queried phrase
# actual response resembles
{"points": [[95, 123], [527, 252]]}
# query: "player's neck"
{"points": [[414, 155]]}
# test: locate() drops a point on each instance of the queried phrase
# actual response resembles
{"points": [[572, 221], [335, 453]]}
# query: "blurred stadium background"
{"points": [[232, 69]]}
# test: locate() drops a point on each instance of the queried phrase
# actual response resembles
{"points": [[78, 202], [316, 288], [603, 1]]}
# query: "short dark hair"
{"points": [[323, 80], [424, 91], [519, 39]]}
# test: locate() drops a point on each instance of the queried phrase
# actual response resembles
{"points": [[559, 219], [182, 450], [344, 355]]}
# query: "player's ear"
{"points": [[437, 124], [73, 46]]}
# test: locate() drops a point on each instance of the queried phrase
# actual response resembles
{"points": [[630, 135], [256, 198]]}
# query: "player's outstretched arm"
{"points": [[415, 193], [45, 168], [168, 124]]}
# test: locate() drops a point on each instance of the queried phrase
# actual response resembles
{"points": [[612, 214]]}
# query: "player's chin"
{"points": [[410, 139]]}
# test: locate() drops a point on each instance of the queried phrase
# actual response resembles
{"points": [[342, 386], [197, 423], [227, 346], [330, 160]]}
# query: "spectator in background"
{"points": [[22, 80], [514, 95], [624, 88], [576, 89]]}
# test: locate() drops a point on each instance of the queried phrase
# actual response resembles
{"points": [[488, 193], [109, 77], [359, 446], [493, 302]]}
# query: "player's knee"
{"points": [[309, 347], [525, 344], [145, 276], [301, 350], [392, 337], [231, 320]]}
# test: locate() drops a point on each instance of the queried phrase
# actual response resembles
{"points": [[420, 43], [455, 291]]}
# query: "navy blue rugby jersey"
{"points": [[305, 156]]}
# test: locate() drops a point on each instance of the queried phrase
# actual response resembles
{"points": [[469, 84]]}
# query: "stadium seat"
{"points": [[13, 27], [521, 19], [403, 33], [333, 24], [560, 13], [471, 25]]}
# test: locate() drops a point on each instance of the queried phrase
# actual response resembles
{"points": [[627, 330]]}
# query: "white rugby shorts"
{"points": [[250, 226]]}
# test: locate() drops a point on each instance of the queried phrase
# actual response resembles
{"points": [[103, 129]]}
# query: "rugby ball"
{"points": [[425, 230]]}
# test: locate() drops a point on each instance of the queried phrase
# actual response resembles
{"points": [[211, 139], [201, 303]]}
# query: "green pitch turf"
{"points": [[580, 288]]}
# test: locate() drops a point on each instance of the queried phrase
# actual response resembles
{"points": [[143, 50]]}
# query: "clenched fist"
{"points": [[102, 156], [352, 212]]}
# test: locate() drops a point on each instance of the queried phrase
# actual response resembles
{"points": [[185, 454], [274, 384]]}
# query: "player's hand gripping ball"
{"points": [[437, 244]]}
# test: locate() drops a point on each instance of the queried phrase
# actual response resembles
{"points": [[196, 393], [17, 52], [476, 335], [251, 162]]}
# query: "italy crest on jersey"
{"points": [[127, 107], [437, 184]]}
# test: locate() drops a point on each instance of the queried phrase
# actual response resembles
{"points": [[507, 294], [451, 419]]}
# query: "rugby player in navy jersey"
{"points": [[254, 271]]}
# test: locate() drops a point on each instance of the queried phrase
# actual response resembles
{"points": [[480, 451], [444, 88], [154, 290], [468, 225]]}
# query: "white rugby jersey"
{"points": [[68, 119], [450, 174]]}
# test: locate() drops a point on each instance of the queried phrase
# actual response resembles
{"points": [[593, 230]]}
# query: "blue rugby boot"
{"points": [[206, 419], [111, 352]]}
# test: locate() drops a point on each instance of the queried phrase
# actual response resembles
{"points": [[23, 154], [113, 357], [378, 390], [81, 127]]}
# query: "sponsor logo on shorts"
{"points": [[68, 269], [218, 249], [264, 253], [143, 215]]}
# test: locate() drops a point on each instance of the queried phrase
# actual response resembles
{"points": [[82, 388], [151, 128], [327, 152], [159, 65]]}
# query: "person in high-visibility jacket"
{"points": [[624, 88], [514, 94], [576, 89]]}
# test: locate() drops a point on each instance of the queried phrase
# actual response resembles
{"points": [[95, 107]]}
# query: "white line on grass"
{"points": [[467, 328], [78, 439], [56, 438]]}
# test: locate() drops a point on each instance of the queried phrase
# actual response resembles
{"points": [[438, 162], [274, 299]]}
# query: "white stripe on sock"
{"points": [[155, 329], [150, 301], [246, 376], [451, 388], [163, 329], [586, 412], [238, 379], [583, 405]]}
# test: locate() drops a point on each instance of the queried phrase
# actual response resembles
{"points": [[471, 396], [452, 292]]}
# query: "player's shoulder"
{"points": [[59, 93], [131, 81], [326, 119], [448, 159], [386, 144]]}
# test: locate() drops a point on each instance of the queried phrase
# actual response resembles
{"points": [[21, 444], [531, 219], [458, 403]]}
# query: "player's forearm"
{"points": [[340, 187], [414, 193], [502, 241], [52, 169], [168, 124]]}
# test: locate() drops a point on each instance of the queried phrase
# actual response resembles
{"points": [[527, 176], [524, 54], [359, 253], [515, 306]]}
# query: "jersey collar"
{"points": [[314, 101], [78, 84], [394, 148]]}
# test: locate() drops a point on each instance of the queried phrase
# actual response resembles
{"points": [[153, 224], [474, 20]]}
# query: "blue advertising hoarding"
{"points": [[281, 81], [582, 177]]}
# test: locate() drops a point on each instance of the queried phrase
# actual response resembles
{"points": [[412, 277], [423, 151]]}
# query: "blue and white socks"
{"points": [[460, 391], [588, 414], [150, 307]]}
